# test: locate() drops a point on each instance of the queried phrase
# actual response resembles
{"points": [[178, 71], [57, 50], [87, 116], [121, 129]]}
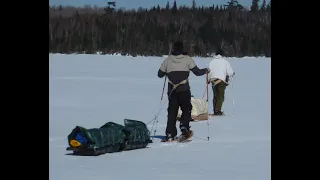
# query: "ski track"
{"points": [[90, 90]]}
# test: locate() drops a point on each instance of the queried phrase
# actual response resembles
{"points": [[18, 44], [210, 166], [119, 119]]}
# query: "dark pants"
{"points": [[218, 95], [176, 99]]}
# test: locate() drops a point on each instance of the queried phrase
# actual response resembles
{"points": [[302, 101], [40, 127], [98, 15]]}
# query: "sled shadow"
{"points": [[72, 154]]}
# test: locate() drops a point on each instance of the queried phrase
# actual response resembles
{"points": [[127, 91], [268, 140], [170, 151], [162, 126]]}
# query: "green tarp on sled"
{"points": [[111, 137]]}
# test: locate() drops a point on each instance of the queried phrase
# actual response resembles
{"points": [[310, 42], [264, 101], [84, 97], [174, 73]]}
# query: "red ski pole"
{"points": [[164, 85]]}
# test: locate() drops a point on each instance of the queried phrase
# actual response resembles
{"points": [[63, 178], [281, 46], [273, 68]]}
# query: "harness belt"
{"points": [[176, 85], [215, 82]]}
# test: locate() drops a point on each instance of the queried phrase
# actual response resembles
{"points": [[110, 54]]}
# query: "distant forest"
{"points": [[238, 30]]}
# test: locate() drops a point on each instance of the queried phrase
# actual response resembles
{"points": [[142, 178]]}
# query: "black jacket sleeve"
{"points": [[161, 74], [199, 72]]}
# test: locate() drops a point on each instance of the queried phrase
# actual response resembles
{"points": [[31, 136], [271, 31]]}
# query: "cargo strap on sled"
{"points": [[176, 85]]}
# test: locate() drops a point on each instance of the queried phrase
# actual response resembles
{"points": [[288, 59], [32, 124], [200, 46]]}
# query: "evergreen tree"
{"points": [[194, 4], [263, 6], [269, 6], [167, 6], [174, 8], [255, 6]]}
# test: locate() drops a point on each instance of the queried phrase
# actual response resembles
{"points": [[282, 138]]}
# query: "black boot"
{"points": [[218, 113]]}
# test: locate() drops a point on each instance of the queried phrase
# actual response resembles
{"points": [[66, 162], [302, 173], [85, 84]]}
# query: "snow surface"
{"points": [[90, 90]]}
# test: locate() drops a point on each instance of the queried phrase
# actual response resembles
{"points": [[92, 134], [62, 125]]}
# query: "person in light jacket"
{"points": [[220, 72]]}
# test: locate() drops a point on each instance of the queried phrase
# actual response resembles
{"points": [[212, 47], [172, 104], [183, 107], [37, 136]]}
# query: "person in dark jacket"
{"points": [[177, 67]]}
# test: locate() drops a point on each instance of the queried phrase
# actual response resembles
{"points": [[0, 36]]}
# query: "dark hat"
{"points": [[178, 46], [220, 52]]}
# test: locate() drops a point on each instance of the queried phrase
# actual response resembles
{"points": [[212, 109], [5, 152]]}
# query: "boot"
{"points": [[185, 134], [218, 113]]}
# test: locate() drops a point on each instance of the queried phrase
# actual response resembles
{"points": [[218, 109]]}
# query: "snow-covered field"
{"points": [[90, 90]]}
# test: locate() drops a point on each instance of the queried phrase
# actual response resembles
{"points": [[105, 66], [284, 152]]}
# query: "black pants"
{"points": [[180, 99]]}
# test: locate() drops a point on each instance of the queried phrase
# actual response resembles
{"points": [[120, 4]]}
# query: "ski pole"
{"points": [[207, 88], [232, 97]]}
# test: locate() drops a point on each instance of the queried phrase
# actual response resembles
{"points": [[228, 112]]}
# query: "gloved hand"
{"points": [[208, 70]]}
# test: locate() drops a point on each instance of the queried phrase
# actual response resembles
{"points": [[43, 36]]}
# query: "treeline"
{"points": [[238, 30]]}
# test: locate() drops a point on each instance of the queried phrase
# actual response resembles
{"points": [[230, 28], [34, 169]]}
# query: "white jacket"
{"points": [[219, 69]]}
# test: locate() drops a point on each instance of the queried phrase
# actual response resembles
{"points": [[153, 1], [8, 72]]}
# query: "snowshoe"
{"points": [[169, 139], [217, 113], [185, 136]]}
